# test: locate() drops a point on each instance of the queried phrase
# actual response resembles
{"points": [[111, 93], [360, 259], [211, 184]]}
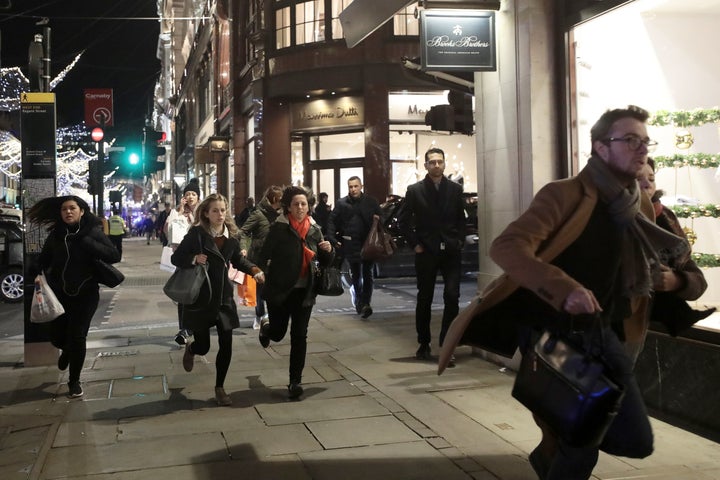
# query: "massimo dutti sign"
{"points": [[458, 40], [319, 114]]}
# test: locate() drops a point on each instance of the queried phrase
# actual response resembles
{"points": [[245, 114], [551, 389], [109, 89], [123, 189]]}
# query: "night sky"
{"points": [[120, 39]]}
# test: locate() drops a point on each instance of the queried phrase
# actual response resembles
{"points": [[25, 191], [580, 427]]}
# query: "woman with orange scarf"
{"points": [[293, 246]]}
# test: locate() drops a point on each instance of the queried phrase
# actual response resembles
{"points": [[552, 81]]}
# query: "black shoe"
{"points": [[263, 333], [294, 391], [63, 361], [366, 311], [539, 464], [358, 307], [423, 353], [75, 390]]}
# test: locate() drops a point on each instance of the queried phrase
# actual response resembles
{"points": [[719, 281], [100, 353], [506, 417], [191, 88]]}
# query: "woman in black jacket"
{"points": [[212, 241], [289, 253], [75, 241]]}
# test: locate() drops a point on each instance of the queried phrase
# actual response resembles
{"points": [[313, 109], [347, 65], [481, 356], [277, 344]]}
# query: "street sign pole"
{"points": [[100, 180]]}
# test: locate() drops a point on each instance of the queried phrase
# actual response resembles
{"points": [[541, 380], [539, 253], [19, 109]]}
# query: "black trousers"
{"points": [[280, 315], [427, 267], [69, 331]]}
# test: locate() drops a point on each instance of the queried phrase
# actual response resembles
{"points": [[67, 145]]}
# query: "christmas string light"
{"points": [[700, 160]]}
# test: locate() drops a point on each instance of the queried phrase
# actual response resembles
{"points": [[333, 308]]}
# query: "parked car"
{"points": [[11, 261], [402, 263]]}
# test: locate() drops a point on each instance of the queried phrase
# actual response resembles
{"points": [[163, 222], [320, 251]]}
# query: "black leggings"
{"points": [[201, 346], [69, 331]]}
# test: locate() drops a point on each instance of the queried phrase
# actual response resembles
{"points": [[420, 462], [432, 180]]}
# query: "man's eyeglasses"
{"points": [[634, 142]]}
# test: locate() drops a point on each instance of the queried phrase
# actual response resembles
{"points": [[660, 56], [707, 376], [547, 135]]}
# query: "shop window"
{"points": [[337, 7], [310, 22], [405, 23], [338, 146], [305, 22], [282, 28]]}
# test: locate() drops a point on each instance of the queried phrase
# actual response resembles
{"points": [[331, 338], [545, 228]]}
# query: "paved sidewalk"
{"points": [[370, 410]]}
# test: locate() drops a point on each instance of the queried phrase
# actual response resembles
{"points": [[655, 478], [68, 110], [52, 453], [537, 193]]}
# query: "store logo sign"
{"points": [[320, 114], [458, 40]]}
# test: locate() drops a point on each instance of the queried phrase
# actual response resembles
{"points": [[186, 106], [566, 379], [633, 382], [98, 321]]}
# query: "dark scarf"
{"points": [[645, 245]]}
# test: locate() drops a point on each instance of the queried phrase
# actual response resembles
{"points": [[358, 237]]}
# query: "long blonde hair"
{"points": [[204, 207]]}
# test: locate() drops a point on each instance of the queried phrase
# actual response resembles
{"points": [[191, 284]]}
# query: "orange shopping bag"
{"points": [[247, 292]]}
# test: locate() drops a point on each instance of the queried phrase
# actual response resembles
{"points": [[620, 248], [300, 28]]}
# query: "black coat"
{"points": [[431, 216], [204, 312], [68, 255], [281, 259], [350, 223]]}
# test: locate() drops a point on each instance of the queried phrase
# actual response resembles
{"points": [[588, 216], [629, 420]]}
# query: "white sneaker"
{"points": [[256, 323]]}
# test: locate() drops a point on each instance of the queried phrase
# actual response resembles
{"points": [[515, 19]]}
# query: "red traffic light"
{"points": [[97, 134]]}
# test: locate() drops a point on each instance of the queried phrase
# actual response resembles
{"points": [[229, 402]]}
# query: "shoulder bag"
{"points": [[45, 306], [378, 245], [184, 284], [328, 281], [107, 274], [570, 389]]}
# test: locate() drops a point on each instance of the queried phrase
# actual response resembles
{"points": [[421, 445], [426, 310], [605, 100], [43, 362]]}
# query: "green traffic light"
{"points": [[134, 158]]}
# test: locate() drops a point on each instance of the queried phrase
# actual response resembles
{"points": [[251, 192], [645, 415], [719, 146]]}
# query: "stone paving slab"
{"points": [[262, 442], [404, 461], [360, 432], [317, 410], [127, 456]]}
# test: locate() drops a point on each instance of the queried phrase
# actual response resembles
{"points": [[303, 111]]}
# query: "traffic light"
{"points": [[441, 117], [152, 150], [455, 117], [92, 180], [126, 161], [462, 105]]}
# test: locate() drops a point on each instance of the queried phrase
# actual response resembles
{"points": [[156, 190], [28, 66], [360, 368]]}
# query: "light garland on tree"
{"points": [[685, 118], [700, 160], [13, 82], [706, 260], [72, 165], [696, 211]]}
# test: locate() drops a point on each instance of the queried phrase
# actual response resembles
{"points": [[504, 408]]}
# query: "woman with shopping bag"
{"points": [[75, 241], [176, 226], [252, 237], [212, 241]]}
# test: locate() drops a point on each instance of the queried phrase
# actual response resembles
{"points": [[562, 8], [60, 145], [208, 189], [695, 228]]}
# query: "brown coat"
{"points": [[555, 219]]}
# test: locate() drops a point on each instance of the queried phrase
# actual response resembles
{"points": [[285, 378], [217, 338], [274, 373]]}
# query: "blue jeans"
{"points": [[362, 280], [427, 266]]}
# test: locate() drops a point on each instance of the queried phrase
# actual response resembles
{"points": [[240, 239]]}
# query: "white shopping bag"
{"points": [[165, 263], [177, 230]]}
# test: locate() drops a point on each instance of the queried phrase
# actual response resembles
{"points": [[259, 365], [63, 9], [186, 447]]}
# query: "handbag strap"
{"points": [[205, 268]]}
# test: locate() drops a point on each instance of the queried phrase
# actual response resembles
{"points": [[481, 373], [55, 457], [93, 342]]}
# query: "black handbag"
{"points": [[184, 284], [106, 274], [329, 281], [571, 390]]}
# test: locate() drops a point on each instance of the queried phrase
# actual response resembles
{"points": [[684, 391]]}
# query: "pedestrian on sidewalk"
{"points": [[252, 237], [75, 241], [347, 228], [586, 246], [293, 245], [176, 226], [212, 241], [432, 219], [116, 230]]}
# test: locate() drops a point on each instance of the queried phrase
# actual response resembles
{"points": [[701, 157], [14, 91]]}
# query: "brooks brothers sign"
{"points": [[453, 40]]}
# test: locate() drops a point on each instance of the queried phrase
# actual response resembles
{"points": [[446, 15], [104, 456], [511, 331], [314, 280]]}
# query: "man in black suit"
{"points": [[433, 222]]}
